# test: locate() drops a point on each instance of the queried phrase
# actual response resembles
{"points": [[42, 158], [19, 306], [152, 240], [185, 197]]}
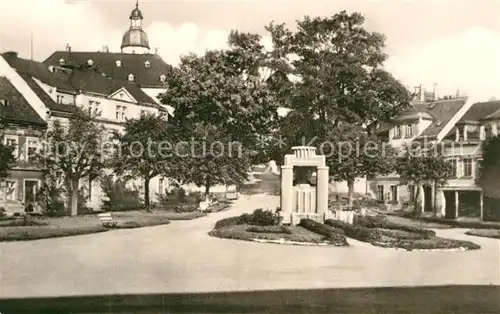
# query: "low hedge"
{"points": [[228, 222], [357, 232], [269, 229], [332, 234]]}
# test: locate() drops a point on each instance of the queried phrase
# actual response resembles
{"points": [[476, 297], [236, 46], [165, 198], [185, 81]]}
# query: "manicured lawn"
{"points": [[435, 300], [239, 232], [486, 233], [43, 227]]}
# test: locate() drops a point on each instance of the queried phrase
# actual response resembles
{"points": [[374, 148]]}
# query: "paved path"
{"points": [[181, 257]]}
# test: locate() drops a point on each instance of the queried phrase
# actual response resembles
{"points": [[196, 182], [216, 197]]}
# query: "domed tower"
{"points": [[135, 40]]}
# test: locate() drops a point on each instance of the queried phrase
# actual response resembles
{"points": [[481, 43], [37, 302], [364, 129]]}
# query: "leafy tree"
{"points": [[489, 170], [352, 153], [75, 149], [219, 97], [340, 66], [145, 150], [420, 167], [210, 159]]}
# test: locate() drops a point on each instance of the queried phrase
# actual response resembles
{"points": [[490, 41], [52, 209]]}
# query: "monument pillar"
{"points": [[322, 190], [286, 193]]}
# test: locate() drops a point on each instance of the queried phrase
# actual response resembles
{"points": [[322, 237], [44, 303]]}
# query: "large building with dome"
{"points": [[112, 86], [135, 63]]}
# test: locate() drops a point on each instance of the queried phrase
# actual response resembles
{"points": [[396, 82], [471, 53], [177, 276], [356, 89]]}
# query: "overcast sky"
{"points": [[455, 43]]}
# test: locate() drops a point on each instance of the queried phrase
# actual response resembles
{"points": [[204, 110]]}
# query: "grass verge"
{"points": [[43, 227]]}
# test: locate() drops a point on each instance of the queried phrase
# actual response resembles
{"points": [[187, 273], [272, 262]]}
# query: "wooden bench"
{"points": [[107, 220]]}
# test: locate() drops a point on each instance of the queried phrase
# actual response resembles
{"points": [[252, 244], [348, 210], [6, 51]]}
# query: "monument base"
{"points": [[296, 217]]}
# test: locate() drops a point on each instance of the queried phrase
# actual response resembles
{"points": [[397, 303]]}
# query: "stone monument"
{"points": [[302, 199]]}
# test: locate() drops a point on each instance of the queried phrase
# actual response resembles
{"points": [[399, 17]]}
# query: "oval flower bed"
{"points": [[379, 231], [485, 233], [262, 226]]}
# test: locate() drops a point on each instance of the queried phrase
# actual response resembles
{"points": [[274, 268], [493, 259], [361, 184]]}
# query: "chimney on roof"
{"points": [[105, 49], [68, 48], [156, 51], [421, 93], [435, 91], [457, 94]]}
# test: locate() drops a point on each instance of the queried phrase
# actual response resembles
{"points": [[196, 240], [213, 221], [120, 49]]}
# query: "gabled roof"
{"points": [[482, 110], [17, 108], [83, 79], [130, 64]]}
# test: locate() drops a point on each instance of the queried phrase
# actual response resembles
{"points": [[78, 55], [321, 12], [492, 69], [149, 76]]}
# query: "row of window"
{"points": [[474, 132], [120, 114], [408, 131]]}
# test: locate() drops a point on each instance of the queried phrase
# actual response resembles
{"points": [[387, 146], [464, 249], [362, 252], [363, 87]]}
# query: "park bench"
{"points": [[107, 220]]}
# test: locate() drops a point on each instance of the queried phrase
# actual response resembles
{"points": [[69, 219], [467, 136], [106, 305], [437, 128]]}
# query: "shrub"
{"points": [[378, 221], [262, 217], [228, 222], [269, 229], [120, 197], [355, 231]]}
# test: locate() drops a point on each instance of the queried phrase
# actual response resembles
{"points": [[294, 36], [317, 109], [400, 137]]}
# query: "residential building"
{"points": [[22, 128], [458, 125]]}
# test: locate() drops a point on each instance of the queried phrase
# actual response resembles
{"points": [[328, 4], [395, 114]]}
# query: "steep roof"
{"points": [[481, 110], [17, 108], [86, 79], [44, 97], [107, 62], [442, 111]]}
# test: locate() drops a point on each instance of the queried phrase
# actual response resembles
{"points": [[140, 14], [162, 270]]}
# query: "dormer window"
{"points": [[61, 61], [4, 102], [118, 63], [147, 64], [131, 77], [163, 78]]}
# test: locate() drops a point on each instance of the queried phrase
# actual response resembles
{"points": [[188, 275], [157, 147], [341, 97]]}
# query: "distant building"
{"points": [[459, 125]]}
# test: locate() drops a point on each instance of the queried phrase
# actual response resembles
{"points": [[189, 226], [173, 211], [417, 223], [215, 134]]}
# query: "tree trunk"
{"points": [[146, 193], [207, 189], [350, 192], [418, 204], [74, 198]]}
